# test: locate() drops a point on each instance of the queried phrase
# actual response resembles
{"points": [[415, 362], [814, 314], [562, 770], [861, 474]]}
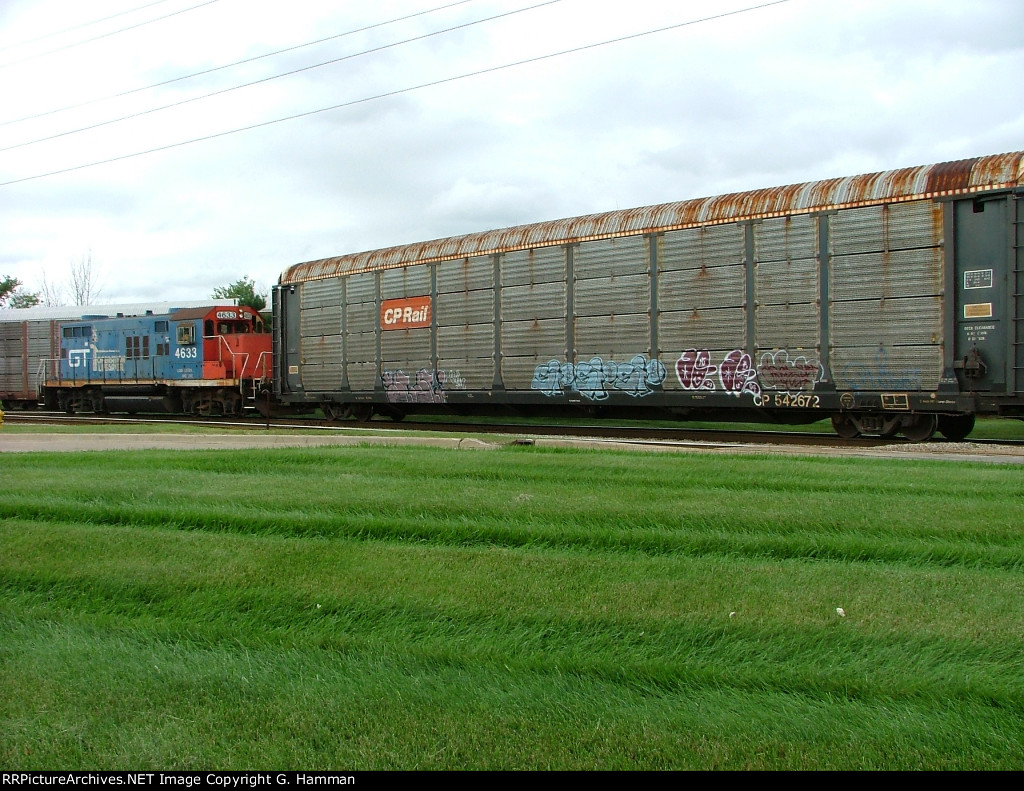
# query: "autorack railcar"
{"points": [[891, 302]]}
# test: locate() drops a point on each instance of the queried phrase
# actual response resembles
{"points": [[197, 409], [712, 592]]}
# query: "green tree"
{"points": [[25, 299], [8, 285], [245, 292], [10, 290]]}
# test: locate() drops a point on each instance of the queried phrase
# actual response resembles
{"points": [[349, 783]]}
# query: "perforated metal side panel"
{"points": [[526, 267], [715, 245], [465, 312], [407, 281], [787, 286], [320, 323], [887, 289], [533, 312], [361, 319]]}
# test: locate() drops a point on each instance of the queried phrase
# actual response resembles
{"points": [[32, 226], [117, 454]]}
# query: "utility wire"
{"points": [[236, 63], [106, 35], [398, 91], [6, 47], [181, 102]]}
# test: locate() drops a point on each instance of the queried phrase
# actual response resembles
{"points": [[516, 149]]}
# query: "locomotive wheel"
{"points": [[232, 404], [845, 427], [956, 427], [921, 428]]}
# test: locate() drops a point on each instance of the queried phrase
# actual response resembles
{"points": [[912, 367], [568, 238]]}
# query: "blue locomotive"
{"points": [[202, 361]]}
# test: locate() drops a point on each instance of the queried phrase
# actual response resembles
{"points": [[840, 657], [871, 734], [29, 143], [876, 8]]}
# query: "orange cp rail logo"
{"points": [[405, 314]]}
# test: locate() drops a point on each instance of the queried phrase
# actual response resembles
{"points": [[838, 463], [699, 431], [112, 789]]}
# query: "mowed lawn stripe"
{"points": [[345, 609], [897, 511]]}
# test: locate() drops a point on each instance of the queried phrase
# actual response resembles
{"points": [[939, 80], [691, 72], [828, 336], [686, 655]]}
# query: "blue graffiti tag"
{"points": [[882, 376], [594, 378]]}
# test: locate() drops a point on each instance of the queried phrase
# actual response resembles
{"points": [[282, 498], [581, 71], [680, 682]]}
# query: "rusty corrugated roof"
{"points": [[962, 177]]}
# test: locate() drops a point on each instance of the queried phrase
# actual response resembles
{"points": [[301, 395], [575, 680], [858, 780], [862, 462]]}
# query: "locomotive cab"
{"points": [[234, 345]]}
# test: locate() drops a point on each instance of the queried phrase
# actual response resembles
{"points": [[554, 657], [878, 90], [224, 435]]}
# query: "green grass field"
{"points": [[409, 608]]}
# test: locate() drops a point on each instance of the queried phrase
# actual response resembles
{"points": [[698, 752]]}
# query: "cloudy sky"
{"points": [[422, 128]]}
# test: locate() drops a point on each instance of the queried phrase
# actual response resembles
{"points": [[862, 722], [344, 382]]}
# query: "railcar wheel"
{"points": [[921, 428], [956, 427], [844, 426], [333, 412], [890, 431], [360, 412]]}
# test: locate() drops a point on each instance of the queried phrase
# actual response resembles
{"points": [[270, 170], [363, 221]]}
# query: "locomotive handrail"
{"points": [[222, 341], [237, 371], [49, 369], [262, 363], [245, 361], [103, 368], [41, 372]]}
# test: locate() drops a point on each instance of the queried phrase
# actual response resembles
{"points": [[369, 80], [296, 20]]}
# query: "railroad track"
{"points": [[523, 430]]}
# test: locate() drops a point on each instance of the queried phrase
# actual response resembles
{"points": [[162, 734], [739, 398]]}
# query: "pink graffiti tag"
{"points": [[426, 388], [738, 375], [695, 370], [778, 372]]}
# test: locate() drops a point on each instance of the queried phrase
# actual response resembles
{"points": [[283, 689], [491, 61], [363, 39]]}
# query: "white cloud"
{"points": [[804, 90]]}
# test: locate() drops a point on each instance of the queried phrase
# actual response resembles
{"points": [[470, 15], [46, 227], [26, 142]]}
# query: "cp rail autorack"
{"points": [[890, 303]]}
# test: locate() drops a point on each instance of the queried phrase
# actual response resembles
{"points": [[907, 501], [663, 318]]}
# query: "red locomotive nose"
{"points": [[235, 352]]}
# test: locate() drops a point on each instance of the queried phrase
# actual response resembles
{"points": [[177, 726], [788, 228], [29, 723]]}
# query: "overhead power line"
{"points": [[370, 51], [236, 63], [398, 91], [106, 35], [6, 47]]}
